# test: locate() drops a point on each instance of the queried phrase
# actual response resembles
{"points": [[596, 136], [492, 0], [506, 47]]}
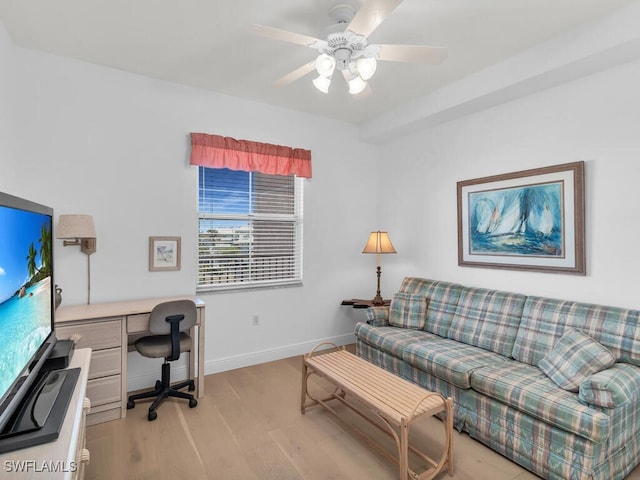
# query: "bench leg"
{"points": [[403, 453], [449, 411], [303, 397]]}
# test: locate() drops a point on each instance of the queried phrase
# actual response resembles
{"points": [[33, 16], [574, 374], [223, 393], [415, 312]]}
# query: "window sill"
{"points": [[242, 288]]}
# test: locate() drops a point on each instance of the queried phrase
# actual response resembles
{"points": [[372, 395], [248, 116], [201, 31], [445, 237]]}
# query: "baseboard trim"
{"points": [[140, 382], [263, 356]]}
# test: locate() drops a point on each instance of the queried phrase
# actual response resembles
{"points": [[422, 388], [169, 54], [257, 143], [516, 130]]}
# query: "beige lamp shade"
{"points": [[379, 242], [76, 226]]}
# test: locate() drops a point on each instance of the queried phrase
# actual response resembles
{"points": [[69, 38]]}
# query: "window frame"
{"points": [[296, 219]]}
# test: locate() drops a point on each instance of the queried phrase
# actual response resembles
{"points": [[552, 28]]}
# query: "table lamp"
{"points": [[378, 243]]}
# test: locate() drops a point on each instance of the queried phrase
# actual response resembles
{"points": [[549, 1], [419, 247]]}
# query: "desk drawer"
{"points": [[104, 413], [97, 336], [105, 362], [138, 323], [104, 390]]}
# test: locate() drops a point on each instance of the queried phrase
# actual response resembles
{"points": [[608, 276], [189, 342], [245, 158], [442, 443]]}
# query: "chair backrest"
{"points": [[157, 320]]}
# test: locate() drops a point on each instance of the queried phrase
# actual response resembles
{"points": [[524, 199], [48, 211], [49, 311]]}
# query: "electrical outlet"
{"points": [[255, 320]]}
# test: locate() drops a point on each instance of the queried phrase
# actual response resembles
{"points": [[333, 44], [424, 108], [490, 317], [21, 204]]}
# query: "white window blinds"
{"points": [[250, 229]]}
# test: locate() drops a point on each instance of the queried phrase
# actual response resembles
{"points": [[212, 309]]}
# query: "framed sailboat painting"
{"points": [[527, 220]]}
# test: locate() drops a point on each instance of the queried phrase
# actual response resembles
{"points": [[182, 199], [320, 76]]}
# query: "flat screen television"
{"points": [[27, 332]]}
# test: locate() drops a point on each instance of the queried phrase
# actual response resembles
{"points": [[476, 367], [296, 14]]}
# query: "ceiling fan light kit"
{"points": [[322, 83], [366, 67], [356, 85], [347, 48], [325, 65]]}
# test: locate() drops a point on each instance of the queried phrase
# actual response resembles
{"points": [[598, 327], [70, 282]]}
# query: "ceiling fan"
{"points": [[347, 49]]}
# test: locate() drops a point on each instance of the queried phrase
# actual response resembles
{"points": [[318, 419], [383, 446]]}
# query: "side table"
{"points": [[361, 303]]}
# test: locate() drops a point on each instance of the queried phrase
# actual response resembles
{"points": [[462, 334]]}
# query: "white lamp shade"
{"points": [[325, 65], [356, 85], [76, 226], [322, 83], [366, 67]]}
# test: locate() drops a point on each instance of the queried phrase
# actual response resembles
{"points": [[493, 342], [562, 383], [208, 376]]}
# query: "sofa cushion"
{"points": [[544, 321], [573, 358], [392, 340], [378, 316], [408, 310], [612, 387], [487, 319], [530, 391], [450, 360], [442, 299]]}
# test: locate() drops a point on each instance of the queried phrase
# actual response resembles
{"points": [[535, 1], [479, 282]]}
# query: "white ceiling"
{"points": [[205, 43]]}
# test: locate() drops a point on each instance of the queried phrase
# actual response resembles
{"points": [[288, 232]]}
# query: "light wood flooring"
{"points": [[249, 426]]}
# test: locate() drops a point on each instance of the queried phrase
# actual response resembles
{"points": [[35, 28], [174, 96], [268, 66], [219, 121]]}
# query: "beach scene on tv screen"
{"points": [[25, 289]]}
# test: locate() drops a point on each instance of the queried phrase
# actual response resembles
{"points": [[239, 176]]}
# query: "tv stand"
{"points": [[66, 457], [42, 411]]}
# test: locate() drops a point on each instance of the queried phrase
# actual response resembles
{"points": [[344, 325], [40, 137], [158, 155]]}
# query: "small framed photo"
{"points": [[164, 253]]}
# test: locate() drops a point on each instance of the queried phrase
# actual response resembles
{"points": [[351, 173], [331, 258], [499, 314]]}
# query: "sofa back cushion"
{"points": [[488, 319], [545, 320], [442, 298]]}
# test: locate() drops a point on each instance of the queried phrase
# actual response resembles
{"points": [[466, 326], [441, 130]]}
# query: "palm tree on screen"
{"points": [[31, 260]]}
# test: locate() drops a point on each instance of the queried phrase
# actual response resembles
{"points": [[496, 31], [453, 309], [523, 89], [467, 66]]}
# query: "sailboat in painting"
{"points": [[517, 221], [506, 217]]}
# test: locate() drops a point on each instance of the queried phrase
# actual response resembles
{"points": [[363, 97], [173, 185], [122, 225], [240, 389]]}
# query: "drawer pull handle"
{"points": [[85, 456], [75, 337]]}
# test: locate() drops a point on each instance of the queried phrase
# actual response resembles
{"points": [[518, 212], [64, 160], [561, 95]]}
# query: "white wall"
{"points": [[594, 119], [115, 145], [6, 102]]}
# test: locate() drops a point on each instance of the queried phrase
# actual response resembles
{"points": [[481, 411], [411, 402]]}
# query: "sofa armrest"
{"points": [[378, 316], [612, 387]]}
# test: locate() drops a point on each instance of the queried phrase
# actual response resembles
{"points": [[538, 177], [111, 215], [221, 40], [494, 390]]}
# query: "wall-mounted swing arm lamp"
{"points": [[79, 230], [378, 243]]}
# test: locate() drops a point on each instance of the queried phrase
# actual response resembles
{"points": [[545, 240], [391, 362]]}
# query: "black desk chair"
{"points": [[168, 323]]}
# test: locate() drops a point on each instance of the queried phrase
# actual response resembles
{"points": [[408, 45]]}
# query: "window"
{"points": [[250, 229]]}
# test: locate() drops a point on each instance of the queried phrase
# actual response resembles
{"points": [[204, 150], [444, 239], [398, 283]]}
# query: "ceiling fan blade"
{"points": [[371, 15], [412, 53], [283, 35], [296, 74]]}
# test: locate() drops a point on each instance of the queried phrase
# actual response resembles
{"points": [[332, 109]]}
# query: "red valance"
{"points": [[216, 151]]}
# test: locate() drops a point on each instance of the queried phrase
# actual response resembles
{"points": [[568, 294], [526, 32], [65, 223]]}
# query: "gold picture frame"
{"points": [[164, 253]]}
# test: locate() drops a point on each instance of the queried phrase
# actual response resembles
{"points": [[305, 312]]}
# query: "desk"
{"points": [[110, 329], [66, 457]]}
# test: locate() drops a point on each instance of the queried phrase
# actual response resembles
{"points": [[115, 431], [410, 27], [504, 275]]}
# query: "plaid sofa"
{"points": [[553, 385]]}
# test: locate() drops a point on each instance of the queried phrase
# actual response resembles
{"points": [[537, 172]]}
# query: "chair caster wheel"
{"points": [[192, 387], [130, 404], [152, 416], [158, 385], [192, 402]]}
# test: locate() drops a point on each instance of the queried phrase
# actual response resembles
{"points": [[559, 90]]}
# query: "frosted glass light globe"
{"points": [[325, 65], [322, 83], [356, 85], [366, 67]]}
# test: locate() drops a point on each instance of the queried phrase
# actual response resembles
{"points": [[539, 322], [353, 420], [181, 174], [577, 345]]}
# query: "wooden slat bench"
{"points": [[395, 401]]}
